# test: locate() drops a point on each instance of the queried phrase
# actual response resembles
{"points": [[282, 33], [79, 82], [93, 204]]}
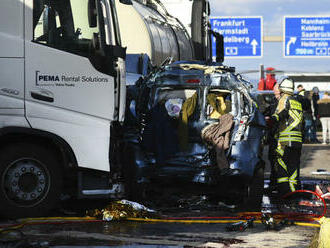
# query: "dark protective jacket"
{"points": [[324, 107], [289, 116], [315, 107], [302, 97]]}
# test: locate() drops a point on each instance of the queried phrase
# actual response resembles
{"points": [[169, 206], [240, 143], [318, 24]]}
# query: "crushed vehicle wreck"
{"points": [[194, 124]]}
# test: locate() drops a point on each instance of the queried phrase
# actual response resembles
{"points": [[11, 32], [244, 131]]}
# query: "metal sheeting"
{"points": [[185, 46], [166, 35]]}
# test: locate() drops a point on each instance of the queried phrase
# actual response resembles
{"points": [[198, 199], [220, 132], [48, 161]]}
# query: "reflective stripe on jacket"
{"points": [[289, 115]]}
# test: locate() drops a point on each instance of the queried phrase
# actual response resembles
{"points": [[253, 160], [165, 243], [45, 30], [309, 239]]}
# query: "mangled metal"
{"points": [[179, 115]]}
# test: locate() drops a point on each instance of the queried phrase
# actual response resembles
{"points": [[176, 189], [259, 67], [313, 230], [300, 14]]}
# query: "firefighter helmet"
{"points": [[287, 86]]}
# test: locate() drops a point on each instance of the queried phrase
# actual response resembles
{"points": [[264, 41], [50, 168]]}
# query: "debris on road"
{"points": [[121, 210], [241, 225], [321, 172], [271, 224], [323, 190]]}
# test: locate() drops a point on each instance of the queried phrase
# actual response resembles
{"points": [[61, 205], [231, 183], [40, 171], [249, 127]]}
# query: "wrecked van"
{"points": [[196, 126]]}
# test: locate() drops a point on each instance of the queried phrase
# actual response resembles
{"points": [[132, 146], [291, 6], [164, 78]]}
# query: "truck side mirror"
{"points": [[219, 46], [92, 14], [127, 2]]}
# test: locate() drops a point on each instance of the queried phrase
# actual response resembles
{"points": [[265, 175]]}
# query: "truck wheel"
{"points": [[254, 193], [30, 180]]}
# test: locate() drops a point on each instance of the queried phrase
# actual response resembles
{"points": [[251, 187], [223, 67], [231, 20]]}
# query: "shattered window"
{"points": [[178, 102], [171, 114], [218, 103]]}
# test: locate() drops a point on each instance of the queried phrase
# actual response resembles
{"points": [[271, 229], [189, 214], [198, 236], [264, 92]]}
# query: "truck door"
{"points": [[72, 85], [11, 63]]}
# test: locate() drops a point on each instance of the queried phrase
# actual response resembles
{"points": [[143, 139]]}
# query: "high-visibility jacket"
{"points": [[267, 83], [289, 117]]}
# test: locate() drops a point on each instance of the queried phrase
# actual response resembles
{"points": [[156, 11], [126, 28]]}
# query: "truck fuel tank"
{"points": [[146, 27]]}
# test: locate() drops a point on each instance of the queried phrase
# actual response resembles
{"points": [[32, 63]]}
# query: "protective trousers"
{"points": [[325, 121], [286, 169]]}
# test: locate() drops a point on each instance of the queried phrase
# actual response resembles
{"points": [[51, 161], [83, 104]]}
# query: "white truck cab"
{"points": [[63, 91], [62, 88]]}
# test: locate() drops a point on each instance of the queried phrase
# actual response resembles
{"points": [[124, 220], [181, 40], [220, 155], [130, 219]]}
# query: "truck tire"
{"points": [[30, 180], [254, 193]]}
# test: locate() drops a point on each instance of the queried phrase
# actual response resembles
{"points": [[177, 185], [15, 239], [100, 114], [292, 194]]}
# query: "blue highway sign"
{"points": [[242, 35], [306, 36]]}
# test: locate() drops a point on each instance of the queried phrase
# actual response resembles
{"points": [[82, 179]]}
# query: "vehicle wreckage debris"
{"points": [[241, 226], [122, 209], [271, 224], [127, 210]]}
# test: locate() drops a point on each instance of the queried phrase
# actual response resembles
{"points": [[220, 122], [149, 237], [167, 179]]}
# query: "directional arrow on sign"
{"points": [[254, 45], [291, 41]]}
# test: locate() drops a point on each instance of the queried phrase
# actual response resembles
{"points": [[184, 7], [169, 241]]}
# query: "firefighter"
{"points": [[269, 82], [288, 117]]}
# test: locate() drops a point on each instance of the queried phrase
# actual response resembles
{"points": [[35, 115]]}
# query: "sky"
{"points": [[272, 12]]}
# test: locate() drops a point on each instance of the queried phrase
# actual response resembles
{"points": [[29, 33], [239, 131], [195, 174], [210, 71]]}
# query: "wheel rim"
{"points": [[26, 182]]}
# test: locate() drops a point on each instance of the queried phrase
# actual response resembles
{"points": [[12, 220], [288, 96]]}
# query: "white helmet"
{"points": [[287, 86]]}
